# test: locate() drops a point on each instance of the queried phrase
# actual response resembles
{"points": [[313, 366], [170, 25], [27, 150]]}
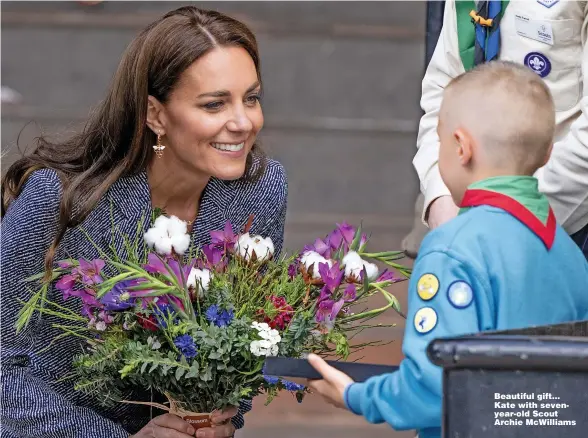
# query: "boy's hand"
{"points": [[441, 210], [334, 382]]}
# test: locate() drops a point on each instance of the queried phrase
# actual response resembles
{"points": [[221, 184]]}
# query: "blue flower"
{"points": [[187, 346], [225, 318], [220, 318], [163, 313], [291, 386], [271, 380]]}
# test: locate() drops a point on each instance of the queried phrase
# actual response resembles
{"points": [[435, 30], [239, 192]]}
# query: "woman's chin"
{"points": [[229, 173]]}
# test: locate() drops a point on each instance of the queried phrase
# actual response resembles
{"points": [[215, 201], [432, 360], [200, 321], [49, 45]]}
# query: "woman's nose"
{"points": [[239, 121]]}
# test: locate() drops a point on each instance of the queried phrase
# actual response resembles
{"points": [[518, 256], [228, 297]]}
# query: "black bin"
{"points": [[528, 383]]}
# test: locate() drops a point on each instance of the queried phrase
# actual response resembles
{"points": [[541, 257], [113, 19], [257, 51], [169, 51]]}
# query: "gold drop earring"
{"points": [[158, 148]]}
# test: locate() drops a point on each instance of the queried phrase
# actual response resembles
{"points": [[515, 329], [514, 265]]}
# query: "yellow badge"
{"points": [[427, 286], [425, 320]]}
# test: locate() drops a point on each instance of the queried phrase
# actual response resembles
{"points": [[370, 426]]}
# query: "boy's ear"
{"points": [[465, 146]]}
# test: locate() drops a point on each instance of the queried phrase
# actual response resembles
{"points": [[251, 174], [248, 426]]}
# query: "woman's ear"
{"points": [[465, 146], [155, 116]]}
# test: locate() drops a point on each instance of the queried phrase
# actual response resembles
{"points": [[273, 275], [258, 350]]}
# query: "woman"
{"points": [[177, 131]]}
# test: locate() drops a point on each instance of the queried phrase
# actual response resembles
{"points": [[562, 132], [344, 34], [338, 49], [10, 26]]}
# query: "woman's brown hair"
{"points": [[116, 142]]}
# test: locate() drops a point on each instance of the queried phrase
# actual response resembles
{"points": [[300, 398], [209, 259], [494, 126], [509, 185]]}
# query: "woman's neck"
{"points": [[175, 189]]}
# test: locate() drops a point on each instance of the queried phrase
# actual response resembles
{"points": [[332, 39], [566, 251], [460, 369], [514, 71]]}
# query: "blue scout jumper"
{"points": [[502, 263]]}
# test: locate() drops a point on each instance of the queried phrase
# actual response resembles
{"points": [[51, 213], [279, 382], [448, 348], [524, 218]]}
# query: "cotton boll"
{"points": [[163, 246], [176, 226], [153, 235], [180, 243], [199, 278]]}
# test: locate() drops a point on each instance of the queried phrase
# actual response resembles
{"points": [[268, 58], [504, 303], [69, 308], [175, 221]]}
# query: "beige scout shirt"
{"points": [[557, 31]]}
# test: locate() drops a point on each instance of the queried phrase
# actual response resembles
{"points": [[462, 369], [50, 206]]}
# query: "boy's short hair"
{"points": [[508, 109]]}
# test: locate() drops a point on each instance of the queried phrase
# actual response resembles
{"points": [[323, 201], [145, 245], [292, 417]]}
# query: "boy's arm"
{"points": [[447, 297], [445, 64], [565, 177]]}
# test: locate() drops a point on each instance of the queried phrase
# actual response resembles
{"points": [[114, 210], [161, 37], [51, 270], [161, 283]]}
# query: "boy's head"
{"points": [[497, 119]]}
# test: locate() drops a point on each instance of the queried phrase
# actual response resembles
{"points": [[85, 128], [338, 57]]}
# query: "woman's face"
{"points": [[213, 116]]}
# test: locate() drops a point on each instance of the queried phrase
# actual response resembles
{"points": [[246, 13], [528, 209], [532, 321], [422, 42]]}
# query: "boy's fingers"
{"points": [[320, 365], [329, 373]]}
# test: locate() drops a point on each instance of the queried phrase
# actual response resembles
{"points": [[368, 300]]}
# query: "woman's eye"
{"points": [[214, 105], [253, 98]]}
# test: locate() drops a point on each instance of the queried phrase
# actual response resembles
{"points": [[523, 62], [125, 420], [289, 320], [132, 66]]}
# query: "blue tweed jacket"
{"points": [[34, 403]]}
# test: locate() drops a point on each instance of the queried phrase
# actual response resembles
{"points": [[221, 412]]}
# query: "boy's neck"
{"points": [[522, 188]]}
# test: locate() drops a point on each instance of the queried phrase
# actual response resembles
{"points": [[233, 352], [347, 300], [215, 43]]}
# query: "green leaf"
{"points": [[155, 364], [179, 373], [193, 372], [356, 239], [144, 367]]}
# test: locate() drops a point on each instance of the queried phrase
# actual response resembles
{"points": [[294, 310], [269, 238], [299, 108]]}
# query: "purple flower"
{"points": [[350, 293], [156, 265], [387, 276], [225, 239], [328, 310], [65, 264], [121, 296], [292, 271], [66, 285], [332, 276], [90, 271], [186, 345], [325, 294], [343, 236], [219, 317], [214, 258]]}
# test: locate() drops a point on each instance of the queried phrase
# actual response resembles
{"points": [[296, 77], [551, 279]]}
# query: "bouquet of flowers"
{"points": [[196, 324]]}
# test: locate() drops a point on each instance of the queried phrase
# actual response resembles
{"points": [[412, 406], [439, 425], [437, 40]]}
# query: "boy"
{"points": [[502, 263], [550, 38]]}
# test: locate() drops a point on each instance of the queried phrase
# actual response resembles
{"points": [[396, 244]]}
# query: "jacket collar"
{"points": [[519, 196], [131, 197]]}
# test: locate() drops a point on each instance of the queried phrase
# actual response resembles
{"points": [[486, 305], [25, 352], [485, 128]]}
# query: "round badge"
{"points": [[425, 320], [427, 286], [460, 294], [538, 63]]}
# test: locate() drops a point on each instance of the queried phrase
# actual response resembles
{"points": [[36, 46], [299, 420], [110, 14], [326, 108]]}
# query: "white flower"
{"points": [[310, 258], [199, 279], [354, 264], [168, 233], [268, 345], [246, 245], [101, 326]]}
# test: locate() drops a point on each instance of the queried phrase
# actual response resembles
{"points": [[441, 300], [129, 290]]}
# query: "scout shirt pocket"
{"points": [[559, 64]]}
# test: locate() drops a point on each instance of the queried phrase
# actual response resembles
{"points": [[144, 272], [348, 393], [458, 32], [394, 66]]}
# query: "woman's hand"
{"points": [[221, 425], [166, 426]]}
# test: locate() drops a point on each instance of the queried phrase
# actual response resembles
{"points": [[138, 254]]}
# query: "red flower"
{"points": [[148, 323]]}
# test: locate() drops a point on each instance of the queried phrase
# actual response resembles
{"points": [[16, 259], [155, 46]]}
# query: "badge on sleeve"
{"points": [[547, 3], [427, 286], [460, 294], [425, 320], [538, 63]]}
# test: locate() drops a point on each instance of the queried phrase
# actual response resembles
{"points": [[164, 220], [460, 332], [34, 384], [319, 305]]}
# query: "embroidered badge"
{"points": [[547, 3], [427, 286], [538, 63], [460, 294], [425, 320]]}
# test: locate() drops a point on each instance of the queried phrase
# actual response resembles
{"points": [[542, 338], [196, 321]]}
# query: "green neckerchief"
{"points": [[466, 31], [523, 189]]}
